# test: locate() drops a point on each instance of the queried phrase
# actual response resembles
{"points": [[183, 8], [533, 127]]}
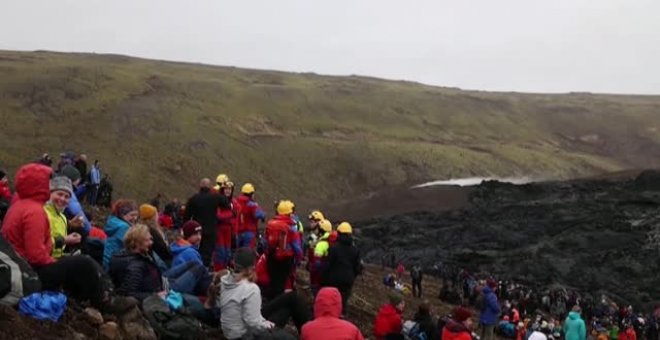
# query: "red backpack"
{"points": [[277, 232]]}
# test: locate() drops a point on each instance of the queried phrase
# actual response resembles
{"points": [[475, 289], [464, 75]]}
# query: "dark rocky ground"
{"points": [[596, 236]]}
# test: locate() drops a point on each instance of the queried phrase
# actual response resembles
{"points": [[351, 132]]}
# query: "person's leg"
{"points": [[345, 291], [490, 332], [188, 279], [206, 247], [78, 275], [285, 306], [179, 270]]}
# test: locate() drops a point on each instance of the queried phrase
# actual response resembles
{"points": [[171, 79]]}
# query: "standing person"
{"points": [[388, 322], [282, 250], [459, 326], [343, 264], [490, 311], [327, 325], [424, 319], [416, 275], [248, 218], [227, 228], [202, 207], [124, 215], [400, 270], [574, 326], [81, 165], [318, 261], [94, 183], [314, 233]]}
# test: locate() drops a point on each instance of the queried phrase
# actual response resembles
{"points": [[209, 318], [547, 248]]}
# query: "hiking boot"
{"points": [[119, 304]]}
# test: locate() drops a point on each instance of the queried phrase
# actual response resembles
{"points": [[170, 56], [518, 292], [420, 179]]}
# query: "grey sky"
{"points": [[518, 45]]}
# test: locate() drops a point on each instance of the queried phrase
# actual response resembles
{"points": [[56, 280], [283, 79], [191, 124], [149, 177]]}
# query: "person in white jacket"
{"points": [[240, 302]]}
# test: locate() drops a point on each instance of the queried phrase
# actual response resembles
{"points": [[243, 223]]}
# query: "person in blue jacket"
{"points": [[74, 210], [490, 311], [124, 215], [185, 248]]}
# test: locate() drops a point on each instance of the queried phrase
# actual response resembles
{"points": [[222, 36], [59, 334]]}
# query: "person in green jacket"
{"points": [[574, 327], [60, 193]]}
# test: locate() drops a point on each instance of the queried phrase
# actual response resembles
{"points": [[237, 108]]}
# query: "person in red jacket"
{"points": [[5, 192], [27, 229], [224, 235], [388, 321], [326, 324], [248, 217], [629, 333], [282, 249], [460, 325]]}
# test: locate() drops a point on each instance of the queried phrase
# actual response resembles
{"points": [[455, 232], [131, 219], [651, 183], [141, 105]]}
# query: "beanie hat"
{"points": [[147, 211], [244, 259], [395, 298], [461, 314], [190, 228], [71, 172], [61, 183], [123, 207]]}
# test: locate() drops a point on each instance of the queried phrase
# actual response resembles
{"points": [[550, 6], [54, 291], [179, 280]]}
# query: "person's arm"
{"points": [[188, 213], [159, 246], [583, 331], [36, 250], [492, 301], [251, 312]]}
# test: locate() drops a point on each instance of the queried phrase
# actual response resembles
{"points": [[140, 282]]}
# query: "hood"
{"points": [[346, 239], [179, 246], [388, 310], [455, 327], [573, 315], [115, 224], [32, 181], [229, 282], [328, 303]]}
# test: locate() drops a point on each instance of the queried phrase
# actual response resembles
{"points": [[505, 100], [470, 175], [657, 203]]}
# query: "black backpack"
{"points": [[170, 325], [416, 273], [17, 278]]}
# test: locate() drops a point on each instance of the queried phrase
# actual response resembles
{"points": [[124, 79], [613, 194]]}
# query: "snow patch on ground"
{"points": [[470, 181]]}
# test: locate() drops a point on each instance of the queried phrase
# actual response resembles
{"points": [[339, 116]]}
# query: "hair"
{"points": [[424, 308], [122, 207], [136, 235]]}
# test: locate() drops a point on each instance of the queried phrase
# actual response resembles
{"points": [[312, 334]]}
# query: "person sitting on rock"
{"points": [[327, 325], [186, 253], [159, 251], [459, 327], [388, 322], [124, 214], [241, 310], [60, 193], [27, 229], [135, 273]]}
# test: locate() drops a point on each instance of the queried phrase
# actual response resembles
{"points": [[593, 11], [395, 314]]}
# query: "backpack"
{"points": [[169, 325], [276, 239], [17, 278], [480, 302], [413, 331]]}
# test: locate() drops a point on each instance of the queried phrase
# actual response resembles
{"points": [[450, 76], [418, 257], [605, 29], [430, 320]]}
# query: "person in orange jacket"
{"points": [[388, 321]]}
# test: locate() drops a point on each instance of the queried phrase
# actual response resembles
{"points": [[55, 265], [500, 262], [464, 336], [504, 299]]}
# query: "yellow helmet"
{"points": [[223, 181], [247, 188], [345, 228], [285, 207], [316, 215], [325, 225]]}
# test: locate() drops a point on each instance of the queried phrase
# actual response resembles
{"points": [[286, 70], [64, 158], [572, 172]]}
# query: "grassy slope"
{"points": [[159, 126]]}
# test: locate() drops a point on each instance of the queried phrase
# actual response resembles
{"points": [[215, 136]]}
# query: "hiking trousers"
{"points": [[78, 275], [285, 306], [487, 332], [185, 277], [417, 288]]}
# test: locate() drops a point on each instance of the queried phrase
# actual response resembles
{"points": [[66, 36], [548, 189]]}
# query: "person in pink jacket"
{"points": [[326, 324]]}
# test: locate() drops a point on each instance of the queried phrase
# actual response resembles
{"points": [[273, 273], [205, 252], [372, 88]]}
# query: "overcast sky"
{"points": [[509, 45]]}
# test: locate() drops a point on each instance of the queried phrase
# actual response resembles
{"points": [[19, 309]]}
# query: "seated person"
{"points": [[240, 302]]}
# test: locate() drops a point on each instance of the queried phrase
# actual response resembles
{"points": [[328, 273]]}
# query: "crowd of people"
{"points": [[237, 269]]}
